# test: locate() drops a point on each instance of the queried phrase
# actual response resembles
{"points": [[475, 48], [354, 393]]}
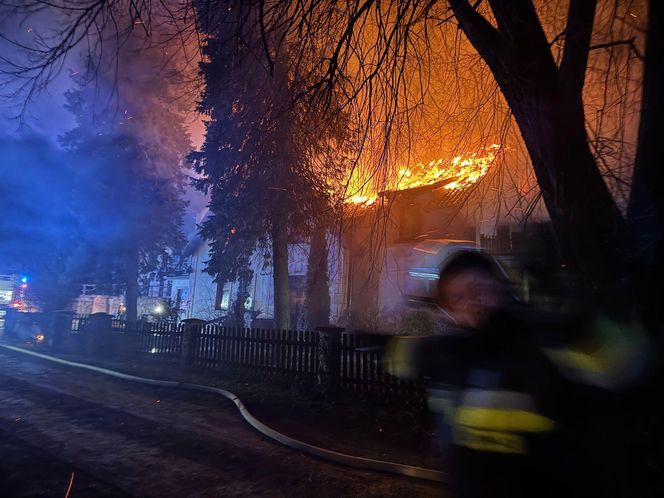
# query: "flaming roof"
{"points": [[448, 179]]}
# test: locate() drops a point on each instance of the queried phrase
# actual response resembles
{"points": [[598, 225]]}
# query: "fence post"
{"points": [[191, 328], [125, 343], [60, 328], [329, 357], [96, 332]]}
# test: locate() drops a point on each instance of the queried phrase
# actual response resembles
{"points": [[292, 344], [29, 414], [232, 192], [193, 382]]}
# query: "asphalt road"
{"points": [[118, 438]]}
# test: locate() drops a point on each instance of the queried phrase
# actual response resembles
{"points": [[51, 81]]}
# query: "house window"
{"points": [[223, 297]]}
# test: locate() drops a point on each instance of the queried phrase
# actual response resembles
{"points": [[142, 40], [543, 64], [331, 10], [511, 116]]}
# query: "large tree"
{"points": [[260, 162], [546, 99]]}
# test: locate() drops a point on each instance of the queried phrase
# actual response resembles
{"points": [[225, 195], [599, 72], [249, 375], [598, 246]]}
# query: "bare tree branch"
{"points": [[630, 42]]}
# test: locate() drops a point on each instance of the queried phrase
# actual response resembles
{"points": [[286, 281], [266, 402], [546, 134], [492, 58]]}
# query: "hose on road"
{"points": [[325, 454]]}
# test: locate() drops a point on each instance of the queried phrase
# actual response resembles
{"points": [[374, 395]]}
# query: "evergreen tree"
{"points": [[259, 158], [132, 161]]}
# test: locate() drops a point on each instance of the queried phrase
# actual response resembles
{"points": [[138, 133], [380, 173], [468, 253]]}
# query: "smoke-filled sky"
{"points": [[45, 118], [459, 119], [46, 115]]}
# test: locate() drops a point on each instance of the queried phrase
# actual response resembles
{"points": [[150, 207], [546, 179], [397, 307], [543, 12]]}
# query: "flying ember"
{"points": [[460, 173]]}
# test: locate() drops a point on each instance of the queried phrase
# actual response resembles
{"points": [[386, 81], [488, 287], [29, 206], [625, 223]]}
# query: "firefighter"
{"points": [[513, 394]]}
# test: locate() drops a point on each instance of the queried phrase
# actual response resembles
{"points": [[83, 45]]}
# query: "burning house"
{"points": [[413, 225], [410, 224]]}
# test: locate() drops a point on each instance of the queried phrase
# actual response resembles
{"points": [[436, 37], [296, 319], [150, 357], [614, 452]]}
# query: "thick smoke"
{"points": [[73, 196], [42, 224]]}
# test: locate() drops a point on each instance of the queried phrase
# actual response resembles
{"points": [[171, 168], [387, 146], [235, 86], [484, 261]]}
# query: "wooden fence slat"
{"points": [[255, 346], [218, 350], [248, 346], [238, 346], [274, 339], [289, 351], [231, 345], [284, 349], [223, 345]]}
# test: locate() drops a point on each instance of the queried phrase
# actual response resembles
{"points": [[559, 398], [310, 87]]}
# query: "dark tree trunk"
{"points": [[590, 228], [547, 104], [318, 289], [131, 285], [646, 204], [280, 273], [236, 316]]}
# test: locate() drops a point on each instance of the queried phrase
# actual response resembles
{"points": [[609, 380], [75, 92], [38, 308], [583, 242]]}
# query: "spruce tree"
{"points": [[258, 161]]}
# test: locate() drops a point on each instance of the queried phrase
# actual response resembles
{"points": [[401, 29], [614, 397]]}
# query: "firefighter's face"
{"points": [[469, 297]]}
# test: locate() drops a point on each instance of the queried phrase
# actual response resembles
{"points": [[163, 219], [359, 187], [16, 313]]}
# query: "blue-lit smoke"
{"points": [[39, 225], [49, 205]]}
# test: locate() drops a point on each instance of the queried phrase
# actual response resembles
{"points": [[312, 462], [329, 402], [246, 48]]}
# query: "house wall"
{"points": [[114, 305], [181, 284], [97, 303], [380, 243], [366, 273], [203, 290], [338, 275], [393, 277]]}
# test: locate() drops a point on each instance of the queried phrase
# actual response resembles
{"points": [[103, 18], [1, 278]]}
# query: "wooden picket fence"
{"points": [[269, 353], [363, 368], [161, 340], [264, 351], [78, 323]]}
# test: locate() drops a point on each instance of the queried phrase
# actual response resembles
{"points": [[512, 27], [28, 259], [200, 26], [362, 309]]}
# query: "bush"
{"points": [[415, 323]]}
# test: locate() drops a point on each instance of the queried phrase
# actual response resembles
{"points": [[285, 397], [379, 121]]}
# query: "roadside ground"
{"points": [[120, 438], [344, 422]]}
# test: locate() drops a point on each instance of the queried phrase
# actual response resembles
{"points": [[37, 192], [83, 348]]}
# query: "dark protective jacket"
{"points": [[512, 422]]}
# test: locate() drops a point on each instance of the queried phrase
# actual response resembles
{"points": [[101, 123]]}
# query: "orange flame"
{"points": [[461, 172]]}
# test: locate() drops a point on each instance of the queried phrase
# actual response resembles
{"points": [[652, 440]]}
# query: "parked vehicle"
{"points": [[27, 328], [426, 259]]}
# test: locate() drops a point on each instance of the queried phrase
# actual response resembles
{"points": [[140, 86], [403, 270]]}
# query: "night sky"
{"points": [[45, 117]]}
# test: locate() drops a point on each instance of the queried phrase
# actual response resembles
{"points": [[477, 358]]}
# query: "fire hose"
{"points": [[322, 453]]}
